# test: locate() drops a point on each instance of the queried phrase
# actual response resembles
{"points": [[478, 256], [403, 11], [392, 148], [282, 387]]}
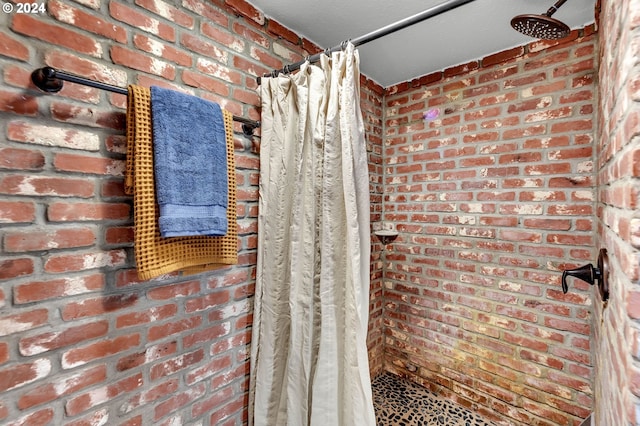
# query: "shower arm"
{"points": [[553, 9]]}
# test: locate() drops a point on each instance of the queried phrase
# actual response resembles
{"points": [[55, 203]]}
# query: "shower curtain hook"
{"points": [[287, 70], [327, 51], [344, 44]]}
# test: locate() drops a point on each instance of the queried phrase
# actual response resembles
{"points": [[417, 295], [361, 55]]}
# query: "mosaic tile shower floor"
{"points": [[400, 402]]}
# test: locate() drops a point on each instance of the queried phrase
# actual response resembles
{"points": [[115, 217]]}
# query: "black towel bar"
{"points": [[50, 80]]}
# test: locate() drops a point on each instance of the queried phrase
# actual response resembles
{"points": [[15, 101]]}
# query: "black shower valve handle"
{"points": [[590, 274], [586, 273]]}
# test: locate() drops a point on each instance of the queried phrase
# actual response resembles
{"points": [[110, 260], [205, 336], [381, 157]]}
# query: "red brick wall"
{"points": [[616, 338], [82, 339], [372, 105], [492, 200]]}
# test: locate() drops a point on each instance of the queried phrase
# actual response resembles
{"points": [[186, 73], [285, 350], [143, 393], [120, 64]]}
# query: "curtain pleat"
{"points": [[309, 363]]}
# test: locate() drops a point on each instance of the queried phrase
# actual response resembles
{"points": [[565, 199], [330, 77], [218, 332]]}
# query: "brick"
{"points": [[176, 327], [73, 212], [86, 21], [218, 70], [265, 58], [492, 74], [65, 385], [162, 50], [104, 348], [86, 68], [578, 67], [174, 365], [16, 212], [97, 306], [570, 126], [12, 47], [227, 411], [18, 76], [85, 261], [224, 38], [13, 268], [179, 400], [633, 304], [24, 321], [174, 291], [88, 165], [204, 47], [457, 85], [545, 412], [138, 61], [546, 61], [208, 11], [21, 159], [99, 417], [220, 397], [93, 117], [119, 235], [26, 24], [548, 224], [524, 132], [112, 188], [282, 32], [567, 325], [147, 356], [103, 394], [53, 136], [26, 241], [168, 12], [210, 334], [18, 103], [211, 369], [481, 90], [153, 314], [502, 57], [206, 302], [22, 374], [135, 421], [131, 16], [525, 81], [44, 342], [521, 341], [461, 69], [42, 417], [530, 104], [247, 33], [547, 115], [4, 354], [247, 10], [204, 82], [46, 186], [151, 395]]}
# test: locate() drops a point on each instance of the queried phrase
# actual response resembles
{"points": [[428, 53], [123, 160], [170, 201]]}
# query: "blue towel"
{"points": [[190, 164]]}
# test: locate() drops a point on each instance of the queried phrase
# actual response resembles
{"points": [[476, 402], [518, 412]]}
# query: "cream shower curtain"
{"points": [[309, 362]]}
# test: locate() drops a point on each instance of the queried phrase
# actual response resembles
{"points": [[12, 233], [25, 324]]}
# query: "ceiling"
{"points": [[470, 31]]}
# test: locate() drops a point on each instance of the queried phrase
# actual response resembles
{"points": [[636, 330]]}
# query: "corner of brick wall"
{"points": [[371, 96]]}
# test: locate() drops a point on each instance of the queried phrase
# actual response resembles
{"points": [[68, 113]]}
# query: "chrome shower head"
{"points": [[542, 26]]}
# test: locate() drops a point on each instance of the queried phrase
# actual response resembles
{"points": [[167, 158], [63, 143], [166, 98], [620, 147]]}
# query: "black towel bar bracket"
{"points": [[50, 80]]}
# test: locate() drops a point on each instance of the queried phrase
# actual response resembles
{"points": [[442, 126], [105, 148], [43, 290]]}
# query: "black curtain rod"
{"points": [[50, 80], [374, 35]]}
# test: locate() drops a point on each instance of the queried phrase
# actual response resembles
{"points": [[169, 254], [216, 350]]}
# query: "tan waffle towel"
{"points": [[156, 255]]}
